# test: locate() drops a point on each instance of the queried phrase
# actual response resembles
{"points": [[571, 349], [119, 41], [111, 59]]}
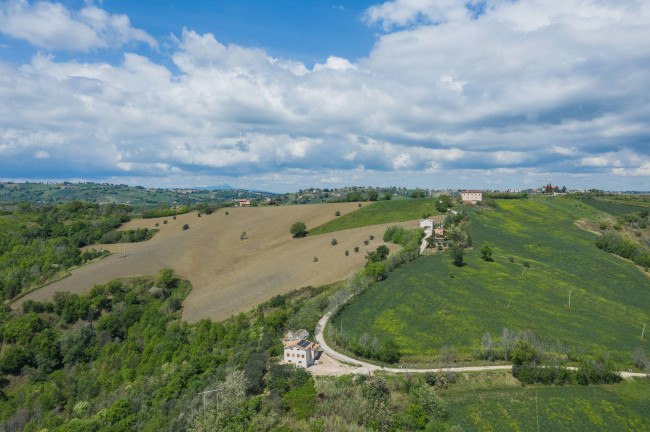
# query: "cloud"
{"points": [[522, 92], [54, 27]]}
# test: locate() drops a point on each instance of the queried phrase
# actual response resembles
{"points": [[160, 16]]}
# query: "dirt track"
{"points": [[230, 275]]}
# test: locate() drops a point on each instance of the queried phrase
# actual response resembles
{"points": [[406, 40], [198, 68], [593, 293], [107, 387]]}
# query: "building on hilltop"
{"points": [[471, 196], [301, 352]]}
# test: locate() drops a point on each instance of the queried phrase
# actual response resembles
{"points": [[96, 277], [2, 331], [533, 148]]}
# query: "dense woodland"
{"points": [[37, 243]]}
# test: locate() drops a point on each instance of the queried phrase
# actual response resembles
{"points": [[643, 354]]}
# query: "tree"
{"points": [[298, 229], [334, 242], [387, 196], [457, 255], [443, 203], [373, 195], [337, 213], [186, 227], [486, 252]]}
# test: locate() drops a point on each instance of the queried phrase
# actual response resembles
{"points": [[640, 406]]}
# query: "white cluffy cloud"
{"points": [[53, 26], [523, 92]]}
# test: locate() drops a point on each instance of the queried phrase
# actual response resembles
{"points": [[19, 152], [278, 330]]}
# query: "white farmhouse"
{"points": [[426, 223], [300, 352], [471, 196]]}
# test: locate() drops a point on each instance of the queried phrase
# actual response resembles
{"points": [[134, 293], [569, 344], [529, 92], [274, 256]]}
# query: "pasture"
{"points": [[501, 406], [380, 212], [431, 303], [613, 208], [230, 275]]}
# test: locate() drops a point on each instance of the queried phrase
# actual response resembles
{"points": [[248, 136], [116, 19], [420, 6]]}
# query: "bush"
{"points": [[338, 213], [347, 252], [298, 229], [186, 227], [315, 259], [356, 249], [334, 242]]}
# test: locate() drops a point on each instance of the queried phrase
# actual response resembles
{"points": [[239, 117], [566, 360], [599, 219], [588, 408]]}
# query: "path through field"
{"points": [[230, 275]]}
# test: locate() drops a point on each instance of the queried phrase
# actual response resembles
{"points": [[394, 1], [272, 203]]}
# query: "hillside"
{"points": [[228, 274], [431, 303], [138, 196], [380, 212]]}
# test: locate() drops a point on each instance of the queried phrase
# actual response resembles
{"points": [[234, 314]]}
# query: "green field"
{"points": [[613, 208], [380, 212], [430, 302], [617, 407]]}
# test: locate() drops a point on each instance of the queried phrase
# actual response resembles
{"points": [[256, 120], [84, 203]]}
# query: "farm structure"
{"points": [[471, 196], [427, 223], [243, 202], [301, 352]]}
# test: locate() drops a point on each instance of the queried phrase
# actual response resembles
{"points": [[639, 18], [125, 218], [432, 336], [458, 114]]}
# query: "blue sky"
{"points": [[282, 95]]}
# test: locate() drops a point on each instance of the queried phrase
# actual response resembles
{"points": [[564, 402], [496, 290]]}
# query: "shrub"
{"points": [[365, 242], [186, 227], [372, 237], [298, 229], [165, 222], [157, 224], [338, 213], [347, 252], [334, 242], [315, 259], [356, 249]]}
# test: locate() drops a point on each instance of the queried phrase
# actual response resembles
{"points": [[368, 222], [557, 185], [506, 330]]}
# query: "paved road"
{"points": [[365, 367]]}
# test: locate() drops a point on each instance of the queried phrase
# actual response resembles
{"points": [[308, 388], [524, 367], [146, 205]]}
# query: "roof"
{"points": [[472, 192], [302, 344]]}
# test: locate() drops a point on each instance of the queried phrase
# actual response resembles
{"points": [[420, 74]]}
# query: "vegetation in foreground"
{"points": [[380, 212], [487, 305]]}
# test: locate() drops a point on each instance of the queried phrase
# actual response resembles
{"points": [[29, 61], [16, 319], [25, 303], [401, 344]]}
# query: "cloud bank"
{"points": [[484, 94]]}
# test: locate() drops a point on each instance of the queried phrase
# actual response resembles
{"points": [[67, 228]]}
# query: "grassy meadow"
{"points": [[380, 212], [505, 406], [431, 303], [613, 208]]}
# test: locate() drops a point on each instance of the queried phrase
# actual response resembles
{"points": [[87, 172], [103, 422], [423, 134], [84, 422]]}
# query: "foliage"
{"points": [[486, 252], [36, 243], [611, 242], [186, 226], [298, 229], [457, 255], [443, 202]]}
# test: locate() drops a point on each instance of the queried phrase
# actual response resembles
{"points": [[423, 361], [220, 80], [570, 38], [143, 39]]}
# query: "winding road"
{"points": [[366, 368]]}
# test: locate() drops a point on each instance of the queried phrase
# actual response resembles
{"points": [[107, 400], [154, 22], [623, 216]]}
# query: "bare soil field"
{"points": [[230, 275]]}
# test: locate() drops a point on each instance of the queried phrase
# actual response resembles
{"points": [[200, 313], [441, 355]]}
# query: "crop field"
{"points": [[430, 302], [616, 407], [379, 212], [230, 275], [613, 208]]}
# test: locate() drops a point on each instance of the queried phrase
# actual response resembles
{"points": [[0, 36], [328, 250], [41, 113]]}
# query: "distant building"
{"points": [[244, 202], [301, 352], [439, 232], [471, 196]]}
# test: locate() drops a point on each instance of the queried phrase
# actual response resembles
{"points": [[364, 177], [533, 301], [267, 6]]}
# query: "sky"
{"points": [[285, 95]]}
